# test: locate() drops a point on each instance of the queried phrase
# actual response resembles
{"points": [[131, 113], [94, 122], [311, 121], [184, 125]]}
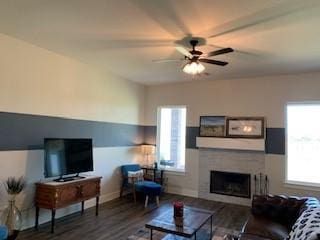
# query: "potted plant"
{"points": [[12, 216]]}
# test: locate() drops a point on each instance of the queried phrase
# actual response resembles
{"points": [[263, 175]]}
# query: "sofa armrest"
{"points": [[246, 236]]}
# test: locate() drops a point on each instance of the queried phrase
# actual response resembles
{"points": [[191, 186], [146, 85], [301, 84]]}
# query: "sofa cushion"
{"points": [[266, 228], [307, 227], [282, 209]]}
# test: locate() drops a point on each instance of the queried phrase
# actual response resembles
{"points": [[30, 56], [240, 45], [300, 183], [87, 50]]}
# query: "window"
{"points": [[303, 144], [171, 137]]}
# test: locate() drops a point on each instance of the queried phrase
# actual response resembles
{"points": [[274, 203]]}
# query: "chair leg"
{"points": [[157, 199], [146, 202], [122, 187]]}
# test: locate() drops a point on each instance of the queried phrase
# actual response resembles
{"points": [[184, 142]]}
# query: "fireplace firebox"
{"points": [[230, 183]]}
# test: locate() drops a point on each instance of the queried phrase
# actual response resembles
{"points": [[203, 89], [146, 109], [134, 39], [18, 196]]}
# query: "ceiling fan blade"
{"points": [[204, 74], [220, 51], [266, 18], [167, 60], [104, 44], [184, 51], [210, 61], [253, 53]]}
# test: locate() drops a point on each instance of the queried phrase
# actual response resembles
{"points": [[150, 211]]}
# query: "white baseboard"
{"points": [[183, 191], [103, 198]]}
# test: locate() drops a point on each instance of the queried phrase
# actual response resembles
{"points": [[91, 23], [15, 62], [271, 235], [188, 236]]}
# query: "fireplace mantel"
{"points": [[231, 143]]}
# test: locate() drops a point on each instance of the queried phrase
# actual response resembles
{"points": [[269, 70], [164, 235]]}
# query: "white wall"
{"points": [[186, 183], [37, 81], [264, 96]]}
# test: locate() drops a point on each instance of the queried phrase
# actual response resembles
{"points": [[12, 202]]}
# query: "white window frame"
{"points": [[292, 183], [171, 169]]}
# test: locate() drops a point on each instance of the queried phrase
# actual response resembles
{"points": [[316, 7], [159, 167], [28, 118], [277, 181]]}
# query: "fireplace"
{"points": [[230, 183]]}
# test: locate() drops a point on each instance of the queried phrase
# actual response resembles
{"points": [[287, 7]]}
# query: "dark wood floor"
{"points": [[120, 218]]}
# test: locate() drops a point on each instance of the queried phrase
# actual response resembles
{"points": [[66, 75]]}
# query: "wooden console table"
{"points": [[55, 195]]}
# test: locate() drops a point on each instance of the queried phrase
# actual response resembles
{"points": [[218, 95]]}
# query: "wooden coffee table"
{"points": [[194, 219]]}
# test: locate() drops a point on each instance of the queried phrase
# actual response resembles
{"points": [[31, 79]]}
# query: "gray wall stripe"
{"points": [[276, 141], [150, 134], [191, 134], [25, 131], [275, 138]]}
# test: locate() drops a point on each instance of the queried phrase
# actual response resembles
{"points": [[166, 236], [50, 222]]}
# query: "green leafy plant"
{"points": [[14, 185]]}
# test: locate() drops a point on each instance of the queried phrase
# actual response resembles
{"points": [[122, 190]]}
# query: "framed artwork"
{"points": [[245, 127], [212, 126]]}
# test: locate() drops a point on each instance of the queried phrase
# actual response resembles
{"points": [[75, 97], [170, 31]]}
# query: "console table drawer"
{"points": [[67, 195], [90, 189]]}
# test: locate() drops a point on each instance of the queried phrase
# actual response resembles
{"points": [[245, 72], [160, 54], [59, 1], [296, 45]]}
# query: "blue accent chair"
{"points": [[136, 186], [3, 232]]}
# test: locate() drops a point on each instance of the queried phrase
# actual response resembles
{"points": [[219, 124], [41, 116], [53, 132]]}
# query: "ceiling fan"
{"points": [[195, 57]]}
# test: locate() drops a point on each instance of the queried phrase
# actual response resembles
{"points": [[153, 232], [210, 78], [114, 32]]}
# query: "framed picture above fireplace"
{"points": [[245, 127], [212, 126]]}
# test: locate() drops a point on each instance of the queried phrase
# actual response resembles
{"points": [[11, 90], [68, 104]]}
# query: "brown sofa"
{"points": [[272, 217]]}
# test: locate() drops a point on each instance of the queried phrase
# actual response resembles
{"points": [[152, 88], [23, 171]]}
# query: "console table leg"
{"points": [[53, 216], [151, 234], [97, 206], [37, 218], [82, 207]]}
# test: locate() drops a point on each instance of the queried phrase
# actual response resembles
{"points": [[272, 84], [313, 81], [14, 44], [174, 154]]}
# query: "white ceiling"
{"points": [[124, 36]]}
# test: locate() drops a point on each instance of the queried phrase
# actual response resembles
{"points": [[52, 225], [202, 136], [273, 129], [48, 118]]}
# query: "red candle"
{"points": [[178, 209]]}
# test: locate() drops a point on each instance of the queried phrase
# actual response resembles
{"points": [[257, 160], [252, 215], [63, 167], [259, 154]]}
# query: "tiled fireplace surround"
{"points": [[250, 162]]}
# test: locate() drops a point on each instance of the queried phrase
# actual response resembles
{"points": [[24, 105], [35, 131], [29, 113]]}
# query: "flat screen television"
{"points": [[67, 156]]}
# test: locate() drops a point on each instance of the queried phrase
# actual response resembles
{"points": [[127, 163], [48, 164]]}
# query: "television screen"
{"points": [[67, 156]]}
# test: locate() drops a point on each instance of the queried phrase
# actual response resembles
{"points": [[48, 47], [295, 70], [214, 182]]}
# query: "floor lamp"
{"points": [[148, 150]]}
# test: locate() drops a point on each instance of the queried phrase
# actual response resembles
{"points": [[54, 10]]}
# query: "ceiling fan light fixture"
{"points": [[193, 68]]}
